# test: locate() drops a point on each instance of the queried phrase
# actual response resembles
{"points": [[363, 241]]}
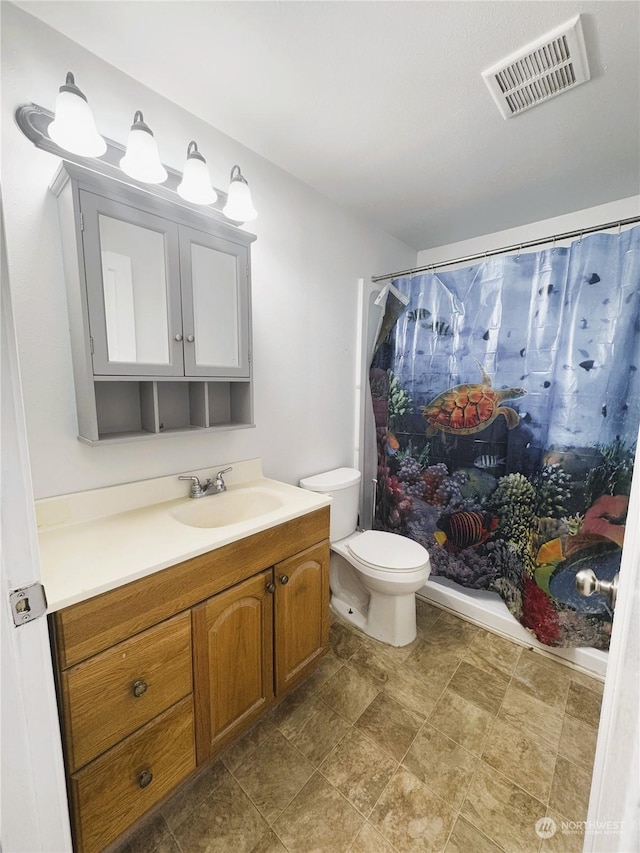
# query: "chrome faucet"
{"points": [[198, 490]]}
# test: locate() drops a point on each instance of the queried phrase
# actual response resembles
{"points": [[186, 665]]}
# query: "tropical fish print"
{"points": [[466, 529]]}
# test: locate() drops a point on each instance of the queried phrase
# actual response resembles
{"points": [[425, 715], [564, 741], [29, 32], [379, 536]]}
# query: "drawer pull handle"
{"points": [[284, 579], [145, 778], [271, 587], [139, 688]]}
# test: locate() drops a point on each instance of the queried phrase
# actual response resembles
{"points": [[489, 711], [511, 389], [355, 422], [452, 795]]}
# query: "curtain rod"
{"points": [[526, 245]]}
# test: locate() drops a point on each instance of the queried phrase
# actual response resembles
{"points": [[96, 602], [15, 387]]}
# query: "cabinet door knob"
{"points": [[271, 587], [177, 337], [190, 338], [284, 579], [145, 778], [139, 688]]}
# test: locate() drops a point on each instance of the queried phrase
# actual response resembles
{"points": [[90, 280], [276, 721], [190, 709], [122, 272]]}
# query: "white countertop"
{"points": [[91, 542]]}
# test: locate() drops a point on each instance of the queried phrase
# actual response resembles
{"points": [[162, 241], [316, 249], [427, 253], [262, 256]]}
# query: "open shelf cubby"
{"points": [[130, 409]]}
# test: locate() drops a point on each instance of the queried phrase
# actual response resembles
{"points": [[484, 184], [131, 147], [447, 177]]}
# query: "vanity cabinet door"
{"points": [[215, 305], [301, 614], [233, 662], [132, 271]]}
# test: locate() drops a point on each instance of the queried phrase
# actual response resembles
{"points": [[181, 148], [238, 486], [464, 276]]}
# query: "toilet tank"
{"points": [[343, 485]]}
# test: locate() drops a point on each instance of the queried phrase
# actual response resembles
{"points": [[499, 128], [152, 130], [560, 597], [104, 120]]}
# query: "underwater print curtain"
{"points": [[506, 404]]}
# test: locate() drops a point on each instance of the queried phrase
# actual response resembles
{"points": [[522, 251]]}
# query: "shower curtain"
{"points": [[506, 405]]}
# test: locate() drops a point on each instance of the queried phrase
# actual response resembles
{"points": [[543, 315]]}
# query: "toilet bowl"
{"points": [[374, 575]]}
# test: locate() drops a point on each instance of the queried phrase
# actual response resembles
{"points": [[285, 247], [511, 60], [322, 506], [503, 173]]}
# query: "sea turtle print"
{"points": [[465, 409]]}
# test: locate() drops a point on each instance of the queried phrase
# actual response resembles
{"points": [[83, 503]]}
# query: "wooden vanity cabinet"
{"points": [[159, 675]]}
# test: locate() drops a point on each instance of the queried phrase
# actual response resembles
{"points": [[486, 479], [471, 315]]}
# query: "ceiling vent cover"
{"points": [[540, 71]]}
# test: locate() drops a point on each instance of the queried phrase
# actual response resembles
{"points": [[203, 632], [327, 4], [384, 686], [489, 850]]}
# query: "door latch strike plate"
{"points": [[28, 603]]}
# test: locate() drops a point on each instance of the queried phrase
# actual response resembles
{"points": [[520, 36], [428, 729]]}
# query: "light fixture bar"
{"points": [[34, 120]]}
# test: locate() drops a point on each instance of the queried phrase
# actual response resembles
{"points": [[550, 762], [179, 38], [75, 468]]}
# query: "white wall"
{"points": [[589, 217], [306, 263]]}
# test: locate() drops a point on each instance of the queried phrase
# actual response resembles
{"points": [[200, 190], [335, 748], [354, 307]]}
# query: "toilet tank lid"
{"points": [[331, 481]]}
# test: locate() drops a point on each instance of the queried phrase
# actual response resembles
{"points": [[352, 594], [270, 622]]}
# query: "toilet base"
{"points": [[390, 619]]}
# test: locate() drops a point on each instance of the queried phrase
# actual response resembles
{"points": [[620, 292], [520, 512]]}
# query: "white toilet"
{"points": [[374, 576]]}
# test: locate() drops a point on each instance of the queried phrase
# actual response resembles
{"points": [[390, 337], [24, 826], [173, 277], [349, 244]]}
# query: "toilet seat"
{"points": [[387, 552]]}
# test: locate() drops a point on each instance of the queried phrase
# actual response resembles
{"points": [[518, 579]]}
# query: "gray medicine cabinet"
{"points": [[159, 298]]}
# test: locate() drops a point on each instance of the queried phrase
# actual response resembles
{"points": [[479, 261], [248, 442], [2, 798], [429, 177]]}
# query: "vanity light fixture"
{"points": [[142, 160], [73, 127], [239, 206], [196, 183]]}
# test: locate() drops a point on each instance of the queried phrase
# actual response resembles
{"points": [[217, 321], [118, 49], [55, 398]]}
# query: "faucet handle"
{"points": [[220, 485], [196, 489]]}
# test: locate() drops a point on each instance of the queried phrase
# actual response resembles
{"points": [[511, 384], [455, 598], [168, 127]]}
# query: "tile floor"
{"points": [[459, 743]]}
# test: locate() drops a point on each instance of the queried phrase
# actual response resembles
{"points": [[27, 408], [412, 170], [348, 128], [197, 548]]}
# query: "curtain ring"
{"points": [[619, 228], [519, 250], [580, 239], [553, 245]]}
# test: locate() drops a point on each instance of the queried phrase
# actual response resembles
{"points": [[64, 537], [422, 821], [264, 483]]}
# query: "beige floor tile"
{"points": [[451, 632], [167, 845], [465, 838], [543, 679], [578, 742], [426, 615], [528, 763], [411, 816], [270, 843], [567, 838], [273, 775], [149, 835], [369, 840], [186, 799], [492, 653], [462, 721], [413, 690], [314, 728], [343, 641], [502, 811], [485, 690], [570, 790], [435, 662], [389, 725], [442, 764], [584, 704], [245, 746], [374, 662], [348, 693], [359, 769], [226, 820], [532, 717], [319, 820], [592, 683]]}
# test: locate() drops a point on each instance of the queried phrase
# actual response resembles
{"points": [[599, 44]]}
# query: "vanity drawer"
{"points": [[116, 789], [112, 694]]}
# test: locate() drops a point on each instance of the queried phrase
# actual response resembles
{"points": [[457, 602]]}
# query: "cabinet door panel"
{"points": [[233, 662], [215, 304], [302, 614], [132, 271]]}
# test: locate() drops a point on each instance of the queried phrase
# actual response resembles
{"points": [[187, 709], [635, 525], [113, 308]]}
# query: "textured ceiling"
{"points": [[381, 105]]}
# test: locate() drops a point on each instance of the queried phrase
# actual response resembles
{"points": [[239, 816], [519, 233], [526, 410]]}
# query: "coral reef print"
{"points": [[506, 405]]}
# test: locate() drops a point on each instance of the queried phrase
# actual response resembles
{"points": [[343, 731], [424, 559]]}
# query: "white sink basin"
{"points": [[227, 508]]}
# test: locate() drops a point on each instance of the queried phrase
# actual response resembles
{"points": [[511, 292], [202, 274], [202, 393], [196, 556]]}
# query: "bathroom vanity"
{"points": [[158, 674]]}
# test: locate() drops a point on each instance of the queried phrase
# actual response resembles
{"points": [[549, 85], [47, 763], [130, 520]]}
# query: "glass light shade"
{"points": [[195, 185], [142, 160], [73, 127], [239, 206]]}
